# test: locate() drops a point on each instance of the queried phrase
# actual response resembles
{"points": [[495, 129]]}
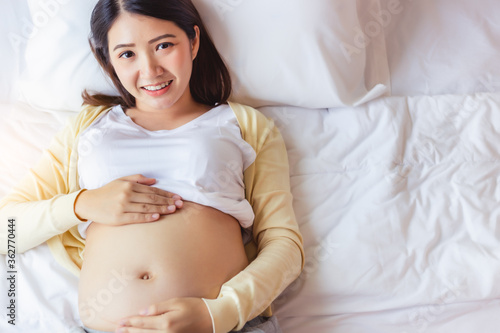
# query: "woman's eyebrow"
{"points": [[150, 42], [161, 37], [123, 45]]}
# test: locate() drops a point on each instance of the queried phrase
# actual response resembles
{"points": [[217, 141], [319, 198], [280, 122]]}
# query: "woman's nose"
{"points": [[150, 67]]}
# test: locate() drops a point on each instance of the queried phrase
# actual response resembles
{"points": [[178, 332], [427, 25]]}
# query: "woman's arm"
{"points": [[42, 203], [280, 254], [49, 201]]}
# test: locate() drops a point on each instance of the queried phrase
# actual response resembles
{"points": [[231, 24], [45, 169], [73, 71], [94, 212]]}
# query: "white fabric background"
{"points": [[397, 198]]}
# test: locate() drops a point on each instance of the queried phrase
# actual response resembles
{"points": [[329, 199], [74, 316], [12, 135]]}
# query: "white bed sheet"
{"points": [[46, 300], [398, 205], [398, 208]]}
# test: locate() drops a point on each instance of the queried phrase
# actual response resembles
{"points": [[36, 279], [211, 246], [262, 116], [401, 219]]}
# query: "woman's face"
{"points": [[153, 59]]}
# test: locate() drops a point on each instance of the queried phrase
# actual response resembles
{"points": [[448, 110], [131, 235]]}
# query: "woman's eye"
{"points": [[163, 46], [126, 54]]}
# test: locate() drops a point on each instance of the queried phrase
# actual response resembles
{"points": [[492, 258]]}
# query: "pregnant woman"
{"points": [[174, 203]]}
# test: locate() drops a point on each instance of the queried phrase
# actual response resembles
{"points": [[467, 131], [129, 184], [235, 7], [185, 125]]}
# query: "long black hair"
{"points": [[210, 82]]}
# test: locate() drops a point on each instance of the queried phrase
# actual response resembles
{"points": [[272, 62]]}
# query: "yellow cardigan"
{"points": [[43, 205]]}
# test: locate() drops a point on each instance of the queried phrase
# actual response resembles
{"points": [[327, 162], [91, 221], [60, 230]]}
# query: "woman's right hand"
{"points": [[126, 200]]}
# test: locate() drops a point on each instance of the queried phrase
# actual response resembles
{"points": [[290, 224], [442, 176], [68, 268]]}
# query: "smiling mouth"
{"points": [[157, 87]]}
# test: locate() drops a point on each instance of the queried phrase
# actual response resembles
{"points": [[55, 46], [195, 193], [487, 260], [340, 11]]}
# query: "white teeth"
{"points": [[155, 88]]}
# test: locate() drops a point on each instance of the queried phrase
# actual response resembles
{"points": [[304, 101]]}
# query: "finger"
{"points": [[140, 188], [139, 179], [136, 330], [153, 199], [129, 218], [161, 308], [136, 323], [145, 208]]}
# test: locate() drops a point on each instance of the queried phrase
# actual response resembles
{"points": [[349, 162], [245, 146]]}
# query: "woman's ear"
{"points": [[195, 43]]}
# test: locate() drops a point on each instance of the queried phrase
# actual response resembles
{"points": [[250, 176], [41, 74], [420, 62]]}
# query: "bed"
{"points": [[390, 111]]}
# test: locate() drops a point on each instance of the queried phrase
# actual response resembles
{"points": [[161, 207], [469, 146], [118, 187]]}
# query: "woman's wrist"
{"points": [[224, 314], [77, 207], [211, 316]]}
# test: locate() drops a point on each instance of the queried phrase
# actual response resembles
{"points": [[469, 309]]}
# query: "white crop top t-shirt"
{"points": [[202, 161]]}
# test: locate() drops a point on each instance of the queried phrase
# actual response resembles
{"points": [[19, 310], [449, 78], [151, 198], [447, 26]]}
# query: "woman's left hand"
{"points": [[177, 315]]}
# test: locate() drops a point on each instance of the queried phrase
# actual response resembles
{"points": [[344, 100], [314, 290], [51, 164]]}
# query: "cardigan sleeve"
{"points": [[279, 245], [42, 203]]}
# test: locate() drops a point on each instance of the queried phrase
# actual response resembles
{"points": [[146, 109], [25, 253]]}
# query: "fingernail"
{"points": [[171, 208], [143, 312], [122, 322], [155, 216], [178, 203], [176, 197]]}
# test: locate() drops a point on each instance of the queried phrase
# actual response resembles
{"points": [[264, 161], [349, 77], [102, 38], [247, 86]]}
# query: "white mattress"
{"points": [[399, 215]]}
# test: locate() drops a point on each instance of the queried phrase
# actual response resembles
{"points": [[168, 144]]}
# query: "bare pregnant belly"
{"points": [[190, 253]]}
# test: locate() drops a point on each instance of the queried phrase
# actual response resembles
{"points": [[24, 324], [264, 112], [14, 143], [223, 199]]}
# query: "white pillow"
{"points": [[282, 52], [302, 53], [13, 45], [59, 63], [444, 47]]}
